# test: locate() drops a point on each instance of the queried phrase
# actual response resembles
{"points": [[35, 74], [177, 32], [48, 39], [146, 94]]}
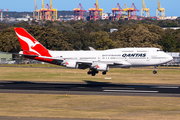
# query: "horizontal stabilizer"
{"points": [[20, 53], [92, 49]]}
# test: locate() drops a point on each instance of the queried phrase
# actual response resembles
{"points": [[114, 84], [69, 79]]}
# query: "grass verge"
{"points": [[145, 76], [85, 106]]}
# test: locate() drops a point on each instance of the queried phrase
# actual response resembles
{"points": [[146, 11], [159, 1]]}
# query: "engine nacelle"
{"points": [[71, 64], [102, 67]]}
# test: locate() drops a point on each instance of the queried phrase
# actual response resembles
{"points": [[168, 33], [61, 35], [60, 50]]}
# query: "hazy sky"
{"points": [[171, 6]]}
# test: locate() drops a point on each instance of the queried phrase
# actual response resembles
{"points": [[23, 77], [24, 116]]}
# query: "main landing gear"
{"points": [[104, 72], [155, 71], [94, 72]]}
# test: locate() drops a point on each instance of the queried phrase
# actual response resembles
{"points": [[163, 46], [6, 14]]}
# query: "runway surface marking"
{"points": [[137, 91], [117, 88]]}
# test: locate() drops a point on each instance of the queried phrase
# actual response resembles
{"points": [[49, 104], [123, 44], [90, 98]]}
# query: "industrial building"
{"points": [[4, 58]]}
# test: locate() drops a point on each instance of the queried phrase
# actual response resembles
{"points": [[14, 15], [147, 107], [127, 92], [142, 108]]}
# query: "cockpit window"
{"points": [[159, 50]]}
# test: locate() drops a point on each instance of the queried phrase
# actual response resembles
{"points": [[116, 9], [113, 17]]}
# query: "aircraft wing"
{"points": [[89, 62]]}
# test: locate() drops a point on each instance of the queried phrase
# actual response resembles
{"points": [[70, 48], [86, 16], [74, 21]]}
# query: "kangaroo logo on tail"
{"points": [[30, 44]]}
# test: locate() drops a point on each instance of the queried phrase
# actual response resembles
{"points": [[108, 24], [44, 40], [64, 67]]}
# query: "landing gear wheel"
{"points": [[154, 72], [93, 74], [89, 72], [104, 73]]}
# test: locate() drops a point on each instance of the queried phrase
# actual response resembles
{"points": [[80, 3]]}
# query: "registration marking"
{"points": [[134, 91]]}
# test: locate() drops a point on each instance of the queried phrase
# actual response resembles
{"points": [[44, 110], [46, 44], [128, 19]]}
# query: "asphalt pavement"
{"points": [[89, 88]]}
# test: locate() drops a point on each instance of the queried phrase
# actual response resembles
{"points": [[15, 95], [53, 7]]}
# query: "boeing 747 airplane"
{"points": [[95, 60]]}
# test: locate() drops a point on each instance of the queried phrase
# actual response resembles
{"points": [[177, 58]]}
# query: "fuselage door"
{"points": [[99, 57], [147, 57]]}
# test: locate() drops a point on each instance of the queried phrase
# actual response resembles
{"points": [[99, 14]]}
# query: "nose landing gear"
{"points": [[155, 71]]}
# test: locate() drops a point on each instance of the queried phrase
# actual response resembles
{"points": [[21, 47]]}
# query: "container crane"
{"points": [[2, 13], [98, 8], [116, 12], [48, 12], [160, 12], [79, 10], [124, 10], [131, 12], [54, 12], [144, 9], [95, 12], [43, 8], [36, 13], [43, 12]]}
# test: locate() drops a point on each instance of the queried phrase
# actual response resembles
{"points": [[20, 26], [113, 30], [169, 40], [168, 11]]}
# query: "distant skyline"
{"points": [[171, 7]]}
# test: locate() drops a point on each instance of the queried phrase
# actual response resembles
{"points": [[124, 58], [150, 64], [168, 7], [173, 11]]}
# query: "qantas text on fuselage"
{"points": [[95, 60]]}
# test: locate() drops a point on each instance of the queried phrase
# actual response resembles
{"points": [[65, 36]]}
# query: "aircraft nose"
{"points": [[170, 58]]}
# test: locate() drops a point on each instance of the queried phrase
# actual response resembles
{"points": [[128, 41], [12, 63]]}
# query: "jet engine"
{"points": [[102, 67], [71, 64]]}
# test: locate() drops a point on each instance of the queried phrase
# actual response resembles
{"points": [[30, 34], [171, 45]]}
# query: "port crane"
{"points": [[116, 12], [98, 8], [78, 12], [160, 12], [131, 12], [2, 13], [36, 13], [48, 12], [144, 10], [53, 11], [96, 12]]}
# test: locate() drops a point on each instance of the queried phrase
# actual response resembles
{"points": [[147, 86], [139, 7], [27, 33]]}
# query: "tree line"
{"points": [[80, 35]]}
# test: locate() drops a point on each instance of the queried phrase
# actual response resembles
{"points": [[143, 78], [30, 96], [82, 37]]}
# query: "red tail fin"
{"points": [[29, 44]]}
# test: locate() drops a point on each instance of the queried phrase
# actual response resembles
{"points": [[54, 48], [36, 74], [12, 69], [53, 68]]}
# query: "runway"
{"points": [[89, 88]]}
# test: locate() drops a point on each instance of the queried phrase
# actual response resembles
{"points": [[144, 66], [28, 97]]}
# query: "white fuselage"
{"points": [[127, 56]]}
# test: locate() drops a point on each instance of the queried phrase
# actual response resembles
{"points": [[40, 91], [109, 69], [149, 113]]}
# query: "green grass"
{"points": [[85, 106], [164, 76]]}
